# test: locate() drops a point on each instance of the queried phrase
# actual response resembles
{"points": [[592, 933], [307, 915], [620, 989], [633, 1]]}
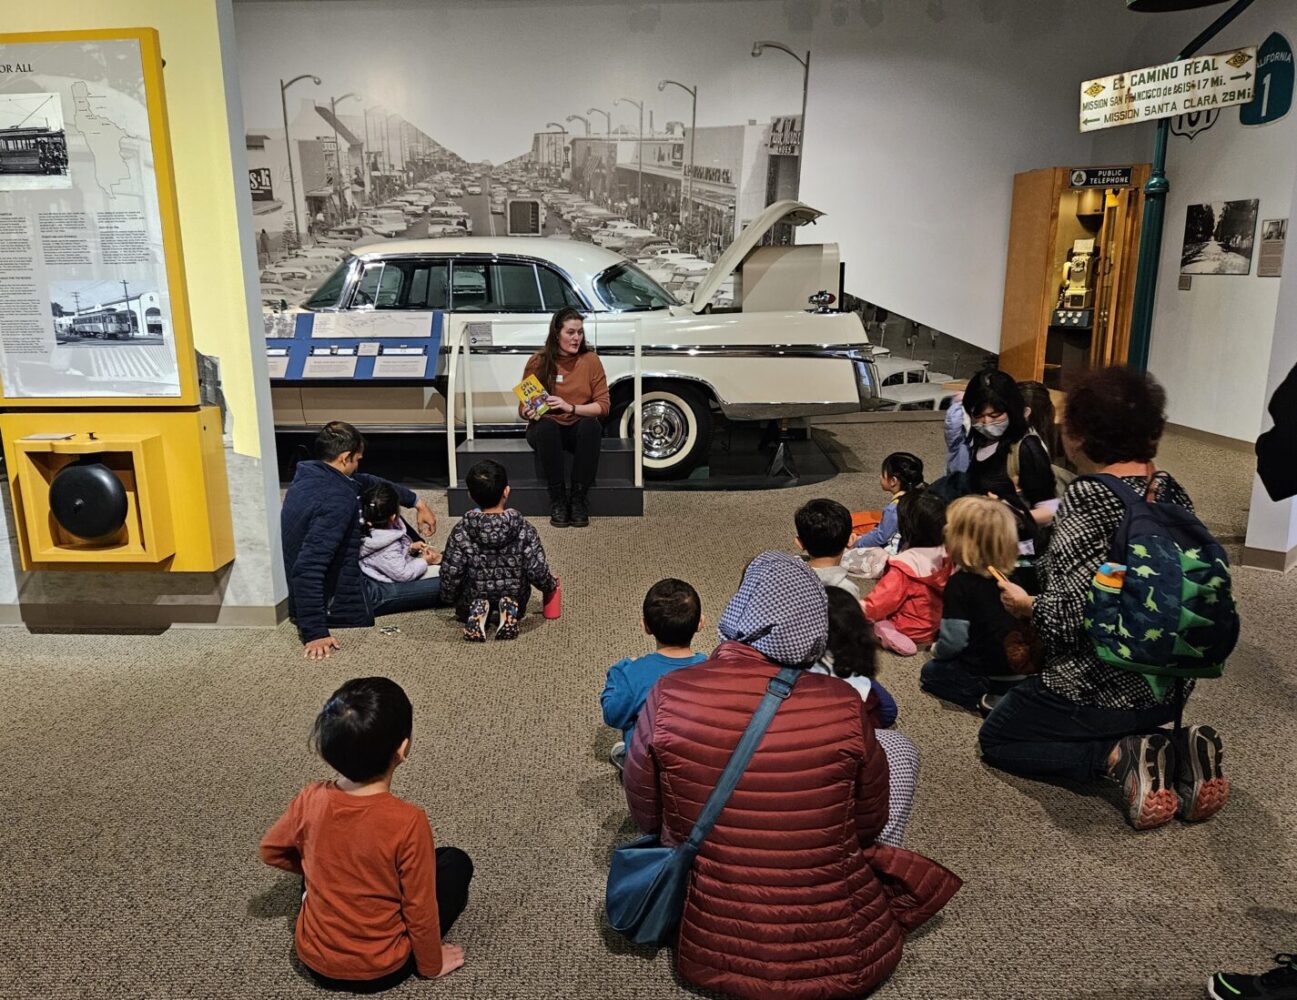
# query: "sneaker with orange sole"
{"points": [[1143, 766], [1202, 789]]}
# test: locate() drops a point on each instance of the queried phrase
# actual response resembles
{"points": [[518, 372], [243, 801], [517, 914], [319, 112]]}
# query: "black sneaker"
{"points": [[508, 626], [1143, 766], [1202, 788], [986, 704], [559, 515], [1280, 983], [475, 626]]}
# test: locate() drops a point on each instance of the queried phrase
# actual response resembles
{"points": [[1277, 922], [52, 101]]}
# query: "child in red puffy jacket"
{"points": [[905, 605]]}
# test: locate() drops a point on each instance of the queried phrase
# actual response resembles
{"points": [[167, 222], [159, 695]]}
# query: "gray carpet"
{"points": [[140, 772]]}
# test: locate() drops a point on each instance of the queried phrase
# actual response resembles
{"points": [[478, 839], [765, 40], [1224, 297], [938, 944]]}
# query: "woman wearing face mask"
{"points": [[577, 400], [995, 418]]}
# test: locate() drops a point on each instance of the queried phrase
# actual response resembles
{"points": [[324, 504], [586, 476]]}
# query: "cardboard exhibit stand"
{"points": [[113, 463]]}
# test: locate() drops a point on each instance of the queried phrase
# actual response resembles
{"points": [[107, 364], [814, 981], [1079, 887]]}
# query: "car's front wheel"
{"points": [[677, 427]]}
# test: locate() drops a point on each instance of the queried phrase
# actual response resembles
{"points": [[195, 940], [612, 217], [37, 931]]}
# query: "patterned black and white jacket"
{"points": [[493, 556], [1083, 528]]}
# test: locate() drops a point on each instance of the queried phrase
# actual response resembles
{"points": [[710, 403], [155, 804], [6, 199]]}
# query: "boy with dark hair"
{"points": [[321, 530], [824, 534], [673, 614], [379, 896], [493, 557]]}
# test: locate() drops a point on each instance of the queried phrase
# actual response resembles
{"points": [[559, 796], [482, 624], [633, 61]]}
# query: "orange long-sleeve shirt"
{"points": [[581, 380], [371, 881]]}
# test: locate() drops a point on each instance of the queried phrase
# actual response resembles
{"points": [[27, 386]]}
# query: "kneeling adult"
{"points": [[577, 397]]}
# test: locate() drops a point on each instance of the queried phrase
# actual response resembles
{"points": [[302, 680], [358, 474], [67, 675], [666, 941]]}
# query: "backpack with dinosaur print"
{"points": [[1162, 605]]}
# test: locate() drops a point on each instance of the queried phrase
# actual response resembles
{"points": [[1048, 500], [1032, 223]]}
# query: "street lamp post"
{"points": [[288, 146], [693, 127], [563, 147], [757, 48], [337, 149], [582, 119], [639, 155], [607, 116]]}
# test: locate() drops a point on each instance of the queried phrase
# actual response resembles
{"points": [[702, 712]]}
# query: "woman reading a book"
{"points": [[566, 414]]}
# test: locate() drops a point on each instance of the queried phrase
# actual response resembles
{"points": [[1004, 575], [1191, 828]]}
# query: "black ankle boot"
{"points": [[558, 510], [580, 507]]}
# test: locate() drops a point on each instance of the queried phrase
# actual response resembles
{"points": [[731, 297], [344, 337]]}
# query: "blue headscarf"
{"points": [[780, 610]]}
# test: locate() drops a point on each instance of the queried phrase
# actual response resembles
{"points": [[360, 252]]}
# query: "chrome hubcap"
{"points": [[665, 429]]}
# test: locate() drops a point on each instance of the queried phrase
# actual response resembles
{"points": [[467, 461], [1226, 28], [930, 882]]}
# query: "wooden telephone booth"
{"points": [[1070, 282]]}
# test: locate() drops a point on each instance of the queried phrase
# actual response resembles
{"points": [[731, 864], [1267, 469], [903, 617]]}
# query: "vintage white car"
{"points": [[783, 362]]}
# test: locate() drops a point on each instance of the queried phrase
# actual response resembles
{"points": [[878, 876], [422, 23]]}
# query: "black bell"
{"points": [[87, 500]]}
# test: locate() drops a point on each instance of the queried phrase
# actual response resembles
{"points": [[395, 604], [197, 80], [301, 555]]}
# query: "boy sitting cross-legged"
{"points": [[493, 557], [673, 614], [379, 896]]}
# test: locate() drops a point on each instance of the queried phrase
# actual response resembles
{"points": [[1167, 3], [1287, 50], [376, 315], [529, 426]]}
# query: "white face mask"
{"points": [[996, 428]]}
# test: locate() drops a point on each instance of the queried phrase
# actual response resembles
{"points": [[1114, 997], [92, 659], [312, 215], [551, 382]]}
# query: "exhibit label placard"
{"points": [[1197, 84], [87, 300]]}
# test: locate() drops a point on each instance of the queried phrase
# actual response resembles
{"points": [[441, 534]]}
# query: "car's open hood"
{"points": [[728, 262]]}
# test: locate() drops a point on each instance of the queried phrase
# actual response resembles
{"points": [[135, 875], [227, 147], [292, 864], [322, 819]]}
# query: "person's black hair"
{"points": [[1117, 414], [905, 467], [851, 640], [921, 519], [378, 504], [996, 389], [361, 726], [337, 438], [824, 527], [672, 611], [1036, 397], [486, 481]]}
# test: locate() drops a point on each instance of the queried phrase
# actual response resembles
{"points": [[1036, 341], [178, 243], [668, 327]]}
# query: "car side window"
{"points": [[403, 284], [556, 291], [478, 286]]}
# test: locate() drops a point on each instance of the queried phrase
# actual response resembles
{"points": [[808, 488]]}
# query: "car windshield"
{"points": [[628, 289], [326, 296]]}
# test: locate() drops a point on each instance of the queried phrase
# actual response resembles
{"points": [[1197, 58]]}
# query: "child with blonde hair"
{"points": [[979, 652]]}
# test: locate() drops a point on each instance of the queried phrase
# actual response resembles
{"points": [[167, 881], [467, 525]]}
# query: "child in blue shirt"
{"points": [[673, 614], [901, 473]]}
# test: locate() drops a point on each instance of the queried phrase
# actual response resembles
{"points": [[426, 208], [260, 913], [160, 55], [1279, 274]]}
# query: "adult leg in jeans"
{"points": [[902, 783], [1039, 734], [454, 873], [546, 440], [951, 681], [414, 595]]}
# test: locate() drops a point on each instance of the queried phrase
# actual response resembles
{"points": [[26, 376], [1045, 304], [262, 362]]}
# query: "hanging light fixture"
{"points": [[1167, 6]]}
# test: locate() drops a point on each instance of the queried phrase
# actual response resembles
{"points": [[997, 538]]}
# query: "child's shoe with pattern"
{"points": [[508, 626], [475, 627]]}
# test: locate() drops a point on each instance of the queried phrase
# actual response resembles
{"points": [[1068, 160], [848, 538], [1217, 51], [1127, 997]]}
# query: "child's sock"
{"points": [[892, 638]]}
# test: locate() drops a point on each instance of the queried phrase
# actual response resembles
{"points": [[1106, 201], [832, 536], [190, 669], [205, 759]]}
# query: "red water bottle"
{"points": [[553, 607]]}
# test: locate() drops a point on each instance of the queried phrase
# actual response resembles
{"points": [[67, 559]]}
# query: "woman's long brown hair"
{"points": [[549, 353]]}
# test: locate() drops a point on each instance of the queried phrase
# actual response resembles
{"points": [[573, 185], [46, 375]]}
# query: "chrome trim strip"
{"points": [[849, 352]]}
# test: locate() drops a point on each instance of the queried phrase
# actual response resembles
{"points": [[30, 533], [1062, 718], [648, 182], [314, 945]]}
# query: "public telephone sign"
{"points": [[1201, 83]]}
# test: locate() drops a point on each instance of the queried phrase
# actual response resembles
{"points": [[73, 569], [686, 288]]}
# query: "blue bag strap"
{"points": [[779, 688]]}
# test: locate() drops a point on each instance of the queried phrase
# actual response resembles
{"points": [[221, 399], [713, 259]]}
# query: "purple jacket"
{"points": [[385, 556]]}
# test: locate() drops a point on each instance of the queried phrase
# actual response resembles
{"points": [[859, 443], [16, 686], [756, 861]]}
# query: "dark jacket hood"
{"points": [[493, 531]]}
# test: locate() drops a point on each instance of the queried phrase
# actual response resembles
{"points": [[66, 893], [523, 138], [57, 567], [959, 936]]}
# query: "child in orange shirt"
{"points": [[905, 604], [378, 895]]}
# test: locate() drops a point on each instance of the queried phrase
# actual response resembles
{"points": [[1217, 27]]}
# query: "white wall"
{"points": [[1211, 345]]}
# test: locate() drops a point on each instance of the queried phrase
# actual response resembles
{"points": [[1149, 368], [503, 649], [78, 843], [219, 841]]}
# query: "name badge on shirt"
{"points": [[558, 379]]}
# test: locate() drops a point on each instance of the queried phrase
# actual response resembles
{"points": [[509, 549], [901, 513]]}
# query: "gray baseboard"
{"points": [[1277, 562], [138, 617]]}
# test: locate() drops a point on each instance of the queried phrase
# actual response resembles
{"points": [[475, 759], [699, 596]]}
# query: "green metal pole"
{"points": [[1155, 191]]}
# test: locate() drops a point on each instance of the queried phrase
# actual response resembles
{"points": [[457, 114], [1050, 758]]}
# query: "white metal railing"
{"points": [[462, 339]]}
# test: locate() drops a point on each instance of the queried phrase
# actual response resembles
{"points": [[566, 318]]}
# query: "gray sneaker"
{"points": [[618, 755], [1202, 789], [1143, 767]]}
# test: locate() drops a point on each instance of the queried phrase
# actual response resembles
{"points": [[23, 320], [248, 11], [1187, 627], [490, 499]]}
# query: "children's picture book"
{"points": [[532, 395]]}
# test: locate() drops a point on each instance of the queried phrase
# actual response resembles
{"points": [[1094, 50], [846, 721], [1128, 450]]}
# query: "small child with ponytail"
{"points": [[901, 474], [388, 552]]}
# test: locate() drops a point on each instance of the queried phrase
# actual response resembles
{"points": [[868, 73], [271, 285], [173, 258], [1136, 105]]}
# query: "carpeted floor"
{"points": [[140, 772]]}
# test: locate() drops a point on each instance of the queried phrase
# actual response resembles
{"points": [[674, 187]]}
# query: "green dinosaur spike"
{"points": [[1182, 648], [1152, 634], [1139, 550], [1191, 563], [1189, 620], [1144, 572], [1190, 589], [1157, 684], [1151, 604]]}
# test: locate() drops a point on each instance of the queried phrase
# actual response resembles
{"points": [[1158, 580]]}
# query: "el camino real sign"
{"points": [[1202, 83]]}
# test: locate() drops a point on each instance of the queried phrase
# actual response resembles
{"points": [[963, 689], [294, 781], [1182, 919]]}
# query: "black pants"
{"points": [[549, 439], [959, 683], [1039, 734], [454, 872]]}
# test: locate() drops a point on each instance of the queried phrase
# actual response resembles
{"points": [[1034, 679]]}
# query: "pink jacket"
{"points": [[910, 592]]}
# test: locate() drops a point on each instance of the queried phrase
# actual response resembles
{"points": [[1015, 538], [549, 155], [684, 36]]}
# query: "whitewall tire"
{"points": [[677, 427]]}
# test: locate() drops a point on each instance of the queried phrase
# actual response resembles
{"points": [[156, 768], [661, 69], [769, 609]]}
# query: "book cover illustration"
{"points": [[532, 395]]}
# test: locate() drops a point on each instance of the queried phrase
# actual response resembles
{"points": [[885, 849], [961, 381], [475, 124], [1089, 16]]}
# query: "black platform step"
{"points": [[616, 459], [613, 495]]}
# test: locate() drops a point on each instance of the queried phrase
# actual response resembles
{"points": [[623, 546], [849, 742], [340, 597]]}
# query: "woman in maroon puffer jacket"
{"points": [[789, 896]]}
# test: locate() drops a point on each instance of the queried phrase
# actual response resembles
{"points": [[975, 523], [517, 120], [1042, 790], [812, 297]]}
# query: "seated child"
{"points": [[672, 615], [493, 557], [824, 533], [970, 660], [851, 656], [905, 604], [379, 897], [902, 473], [388, 552]]}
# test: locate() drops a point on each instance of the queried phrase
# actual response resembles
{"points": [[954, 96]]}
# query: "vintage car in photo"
{"points": [[768, 356]]}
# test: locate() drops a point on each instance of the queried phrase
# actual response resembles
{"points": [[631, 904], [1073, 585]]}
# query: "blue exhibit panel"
{"points": [[296, 356]]}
